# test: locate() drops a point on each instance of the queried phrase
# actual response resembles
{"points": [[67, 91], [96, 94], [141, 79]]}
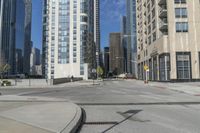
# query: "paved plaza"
{"points": [[126, 106]]}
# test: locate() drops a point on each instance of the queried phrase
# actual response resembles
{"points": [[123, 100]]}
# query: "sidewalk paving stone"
{"points": [[46, 116]]}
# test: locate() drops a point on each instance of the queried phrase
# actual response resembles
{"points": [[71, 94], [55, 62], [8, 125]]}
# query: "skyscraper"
{"points": [[34, 60], [124, 41], [13, 34], [106, 60], [97, 30], [168, 39], [131, 37], [68, 38], [116, 54], [28, 43]]}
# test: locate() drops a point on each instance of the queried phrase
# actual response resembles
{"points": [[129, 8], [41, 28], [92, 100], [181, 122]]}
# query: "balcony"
{"points": [[163, 12], [164, 27], [162, 2]]}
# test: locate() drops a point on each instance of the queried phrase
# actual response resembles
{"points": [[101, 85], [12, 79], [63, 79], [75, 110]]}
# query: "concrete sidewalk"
{"points": [[64, 85], [38, 115], [192, 88]]}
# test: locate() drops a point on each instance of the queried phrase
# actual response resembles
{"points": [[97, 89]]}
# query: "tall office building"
{"points": [[13, 33], [106, 60], [27, 43], [124, 41], [97, 31], [68, 38], [131, 37], [34, 60], [168, 39], [116, 54]]}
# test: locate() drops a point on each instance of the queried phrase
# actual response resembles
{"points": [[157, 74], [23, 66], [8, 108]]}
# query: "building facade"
{"points": [[106, 60], [68, 38], [131, 37], [124, 41], [27, 39], [13, 33], [97, 31], [34, 60], [168, 39], [116, 54]]}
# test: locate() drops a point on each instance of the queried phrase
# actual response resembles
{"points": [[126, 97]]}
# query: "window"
{"points": [[154, 36], [149, 40], [153, 24], [149, 8], [74, 60], [152, 2], [181, 12], [150, 69], [63, 31], [149, 29], [149, 18], [155, 69], [183, 62], [153, 13], [180, 1], [84, 19], [164, 66], [181, 26]]}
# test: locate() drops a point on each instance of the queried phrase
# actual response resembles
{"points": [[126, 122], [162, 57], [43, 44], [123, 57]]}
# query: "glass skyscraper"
{"points": [[131, 37], [14, 35]]}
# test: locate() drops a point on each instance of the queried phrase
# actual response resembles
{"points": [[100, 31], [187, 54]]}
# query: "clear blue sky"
{"points": [[111, 10]]}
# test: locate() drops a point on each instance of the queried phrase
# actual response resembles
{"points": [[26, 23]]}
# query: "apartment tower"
{"points": [[168, 40], [68, 38]]}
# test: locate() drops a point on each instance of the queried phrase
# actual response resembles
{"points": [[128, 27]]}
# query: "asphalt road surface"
{"points": [[127, 107]]}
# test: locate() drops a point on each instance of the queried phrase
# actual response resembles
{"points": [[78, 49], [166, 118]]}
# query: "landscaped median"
{"points": [[41, 115]]}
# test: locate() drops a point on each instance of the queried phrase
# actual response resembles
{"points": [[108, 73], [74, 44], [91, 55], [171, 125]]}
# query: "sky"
{"points": [[37, 23], [110, 13]]}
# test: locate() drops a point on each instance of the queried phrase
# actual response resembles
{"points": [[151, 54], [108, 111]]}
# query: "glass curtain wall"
{"points": [[164, 66], [183, 61]]}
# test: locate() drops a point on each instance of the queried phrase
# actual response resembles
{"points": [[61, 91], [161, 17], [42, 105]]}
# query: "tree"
{"points": [[4, 69], [99, 71]]}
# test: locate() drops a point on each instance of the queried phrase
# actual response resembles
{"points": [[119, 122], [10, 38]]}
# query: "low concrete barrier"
{"points": [[65, 80], [29, 82]]}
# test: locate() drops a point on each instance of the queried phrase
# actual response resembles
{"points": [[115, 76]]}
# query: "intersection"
{"points": [[126, 106]]}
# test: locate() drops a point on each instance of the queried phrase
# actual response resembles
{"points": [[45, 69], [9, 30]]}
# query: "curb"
{"points": [[74, 125], [44, 87], [70, 125]]}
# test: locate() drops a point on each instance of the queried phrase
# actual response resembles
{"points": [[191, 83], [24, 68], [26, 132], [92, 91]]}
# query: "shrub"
{"points": [[6, 83]]}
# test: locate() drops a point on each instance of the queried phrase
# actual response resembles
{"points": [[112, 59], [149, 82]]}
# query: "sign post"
{"points": [[146, 69]]}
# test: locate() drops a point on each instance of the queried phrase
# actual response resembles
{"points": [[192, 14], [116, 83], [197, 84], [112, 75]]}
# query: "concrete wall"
{"points": [[29, 82], [65, 80]]}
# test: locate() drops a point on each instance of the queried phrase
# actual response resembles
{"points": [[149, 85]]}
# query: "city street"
{"points": [[126, 106]]}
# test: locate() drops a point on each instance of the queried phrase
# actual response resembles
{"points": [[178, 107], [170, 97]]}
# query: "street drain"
{"points": [[101, 123]]}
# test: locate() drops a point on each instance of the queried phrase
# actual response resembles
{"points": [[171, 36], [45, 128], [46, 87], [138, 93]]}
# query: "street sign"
{"points": [[146, 67]]}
